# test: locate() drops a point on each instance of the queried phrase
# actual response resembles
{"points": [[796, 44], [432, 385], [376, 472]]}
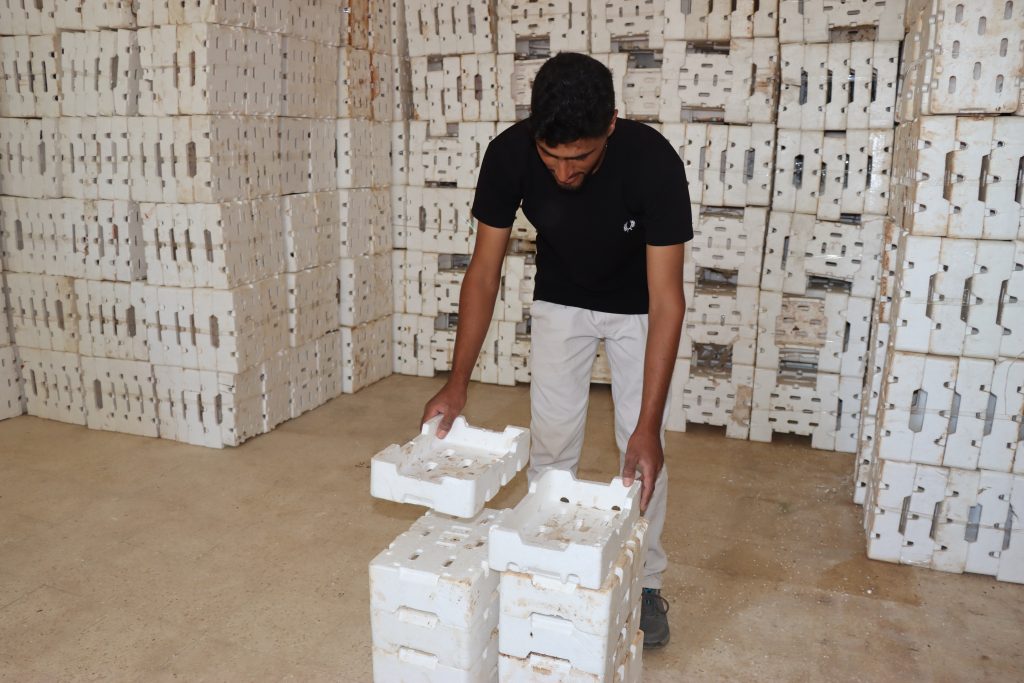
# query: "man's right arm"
{"points": [[476, 307]]}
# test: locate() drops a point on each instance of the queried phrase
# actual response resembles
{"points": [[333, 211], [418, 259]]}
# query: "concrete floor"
{"points": [[126, 558]]}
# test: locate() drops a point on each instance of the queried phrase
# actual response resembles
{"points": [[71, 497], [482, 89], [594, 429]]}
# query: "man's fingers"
{"points": [[446, 423], [629, 469], [646, 493]]}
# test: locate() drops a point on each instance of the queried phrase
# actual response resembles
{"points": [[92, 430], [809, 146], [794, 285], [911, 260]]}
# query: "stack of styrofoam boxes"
{"points": [[11, 403], [571, 556], [718, 88], [946, 472], [823, 249], [433, 596], [192, 147], [367, 104]]}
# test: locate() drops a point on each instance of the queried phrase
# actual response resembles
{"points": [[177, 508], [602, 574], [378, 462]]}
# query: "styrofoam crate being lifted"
{"points": [[432, 593], [455, 475], [566, 528]]}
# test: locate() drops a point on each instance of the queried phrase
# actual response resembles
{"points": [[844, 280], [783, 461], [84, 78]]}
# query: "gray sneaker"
{"points": [[654, 618]]}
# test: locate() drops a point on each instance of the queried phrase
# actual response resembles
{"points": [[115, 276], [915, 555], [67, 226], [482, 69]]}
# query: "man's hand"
{"points": [[643, 455], [448, 403]]}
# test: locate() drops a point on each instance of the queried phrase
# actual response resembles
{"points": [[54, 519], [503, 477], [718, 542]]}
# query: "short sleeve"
{"points": [[664, 198], [499, 186]]}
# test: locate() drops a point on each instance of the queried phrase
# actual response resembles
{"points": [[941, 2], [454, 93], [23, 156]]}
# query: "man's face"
{"points": [[571, 163]]}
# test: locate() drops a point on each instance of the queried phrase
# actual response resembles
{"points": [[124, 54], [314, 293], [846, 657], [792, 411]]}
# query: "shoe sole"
{"points": [[655, 646]]}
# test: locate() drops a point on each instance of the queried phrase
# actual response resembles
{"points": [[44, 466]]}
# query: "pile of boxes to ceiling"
{"points": [[462, 94], [546, 591], [171, 214], [941, 470]]}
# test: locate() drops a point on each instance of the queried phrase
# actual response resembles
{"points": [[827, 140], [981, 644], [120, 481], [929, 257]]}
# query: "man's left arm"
{"points": [[665, 321]]}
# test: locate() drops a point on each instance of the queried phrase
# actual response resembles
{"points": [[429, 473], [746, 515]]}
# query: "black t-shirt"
{"points": [[591, 243]]}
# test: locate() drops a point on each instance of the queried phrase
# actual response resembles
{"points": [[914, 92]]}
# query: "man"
{"points": [[609, 200]]}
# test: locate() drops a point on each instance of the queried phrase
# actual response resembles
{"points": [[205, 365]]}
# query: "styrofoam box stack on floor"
{"points": [[11, 396], [571, 556], [942, 462]]}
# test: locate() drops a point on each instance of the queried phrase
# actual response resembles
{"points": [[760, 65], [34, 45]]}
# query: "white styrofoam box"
{"points": [[207, 408], [224, 330], [712, 395], [808, 22], [497, 362], [112, 319], [720, 315], [515, 85], [328, 364], [950, 296], [35, 18], [628, 20], [120, 396], [961, 58], [43, 311], [823, 406], [30, 157], [721, 20], [448, 27], [365, 220], [52, 384], [365, 354], [738, 85], [89, 15], [1011, 315], [355, 92], [365, 286], [566, 528], [312, 303], [822, 331], [415, 274], [98, 73], [221, 245], [546, 616], [957, 176], [432, 593], [100, 240], [456, 475], [361, 157], [439, 220], [311, 82], [314, 20], [728, 240], [436, 93], [838, 86], [831, 173], [913, 418], [311, 236], [412, 339], [306, 154], [799, 247], [409, 664], [385, 92], [531, 26], [448, 159], [29, 76], [726, 164], [11, 396]]}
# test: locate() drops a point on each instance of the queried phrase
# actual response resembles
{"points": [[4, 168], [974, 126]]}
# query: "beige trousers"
{"points": [[564, 344]]}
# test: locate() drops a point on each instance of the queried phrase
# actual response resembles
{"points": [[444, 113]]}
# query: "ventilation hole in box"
{"points": [[918, 404], [564, 499], [973, 524]]}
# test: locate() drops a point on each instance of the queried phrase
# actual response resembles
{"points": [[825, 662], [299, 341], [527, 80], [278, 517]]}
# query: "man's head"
{"points": [[572, 114]]}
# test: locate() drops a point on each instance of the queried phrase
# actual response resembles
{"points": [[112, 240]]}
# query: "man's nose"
{"points": [[563, 171]]}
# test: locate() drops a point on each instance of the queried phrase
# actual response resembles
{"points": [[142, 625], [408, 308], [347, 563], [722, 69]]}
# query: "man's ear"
{"points": [[611, 126]]}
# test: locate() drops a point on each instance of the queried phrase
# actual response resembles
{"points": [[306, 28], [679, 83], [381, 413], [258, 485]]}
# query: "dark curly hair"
{"points": [[573, 98]]}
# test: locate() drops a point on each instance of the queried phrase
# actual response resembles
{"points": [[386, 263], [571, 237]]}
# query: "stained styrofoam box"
{"points": [[838, 86], [726, 164], [361, 157], [97, 77], [566, 528], [720, 317], [824, 331], [408, 664], [497, 364], [447, 159], [307, 154], [456, 475], [546, 616], [629, 19], [959, 58], [801, 22], [311, 232], [221, 246], [711, 394], [823, 406], [366, 286], [112, 319], [29, 19], [207, 408], [449, 27], [721, 20], [52, 385], [365, 354], [43, 311], [11, 396], [740, 85], [412, 337], [727, 239], [560, 27], [91, 15], [974, 194], [799, 247], [515, 83], [365, 221], [35, 170], [30, 76], [355, 93], [120, 396], [312, 304], [300, 83], [431, 591]]}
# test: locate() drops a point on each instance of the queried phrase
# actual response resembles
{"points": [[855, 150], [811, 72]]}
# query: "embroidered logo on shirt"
{"points": [[628, 225]]}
